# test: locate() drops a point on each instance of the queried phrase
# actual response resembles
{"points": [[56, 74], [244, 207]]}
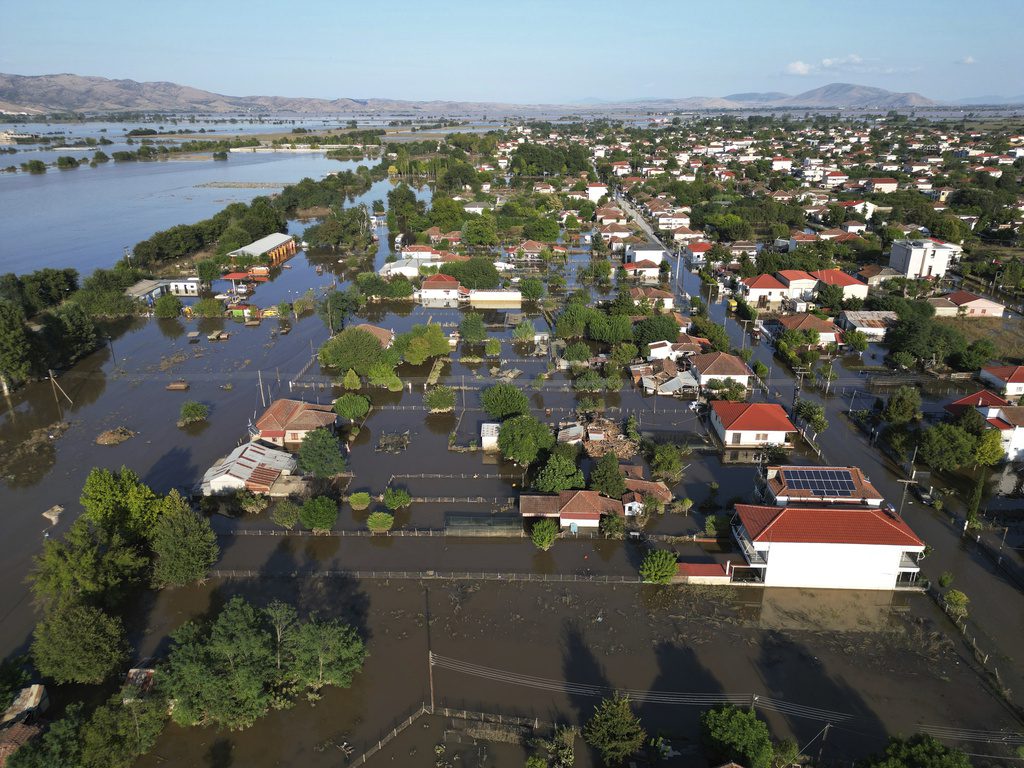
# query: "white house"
{"points": [[187, 287], [645, 269], [646, 252], [782, 486], [852, 287], [697, 252], [799, 284], [252, 466], [763, 290], [440, 287], [719, 366], [1007, 379], [596, 191], [923, 258], [653, 296], [750, 425], [998, 414], [827, 547]]}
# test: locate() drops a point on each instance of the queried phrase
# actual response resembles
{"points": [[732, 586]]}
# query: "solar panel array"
{"points": [[821, 482]]}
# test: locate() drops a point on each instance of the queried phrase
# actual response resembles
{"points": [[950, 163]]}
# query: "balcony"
{"points": [[751, 555], [908, 562]]}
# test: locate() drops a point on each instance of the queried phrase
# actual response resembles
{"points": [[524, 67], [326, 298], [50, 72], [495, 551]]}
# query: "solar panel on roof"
{"points": [[822, 482]]}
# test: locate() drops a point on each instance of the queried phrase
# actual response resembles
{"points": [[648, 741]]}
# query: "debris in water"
{"points": [[53, 513], [393, 442], [114, 436]]}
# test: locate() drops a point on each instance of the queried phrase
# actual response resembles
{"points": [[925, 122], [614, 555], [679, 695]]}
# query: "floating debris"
{"points": [[114, 436], [177, 386], [53, 513], [393, 442]]}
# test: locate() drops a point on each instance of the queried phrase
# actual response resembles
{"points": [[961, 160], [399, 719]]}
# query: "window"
{"points": [[761, 437]]}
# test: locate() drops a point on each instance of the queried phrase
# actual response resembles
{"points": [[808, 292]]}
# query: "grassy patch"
{"points": [[1006, 334]]}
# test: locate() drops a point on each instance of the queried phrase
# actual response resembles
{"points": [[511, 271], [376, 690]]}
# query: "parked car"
{"points": [[924, 495]]}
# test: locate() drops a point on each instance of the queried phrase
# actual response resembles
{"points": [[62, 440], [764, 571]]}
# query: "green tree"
{"points": [[78, 644], [208, 270], [421, 343], [351, 381], [326, 652], [531, 288], [472, 328], [524, 332], [396, 498], [184, 545], [167, 306], [522, 438], [657, 328], [351, 406], [192, 412], [15, 349], [492, 347], [666, 461], [337, 306], [379, 522], [904, 406], [88, 565], [614, 730], [286, 514], [120, 731], [223, 674], [319, 513], [919, 751], [606, 477], [559, 473], [945, 447], [353, 348], [612, 526], [733, 734], [990, 448], [503, 400], [439, 399], [119, 502], [658, 566], [320, 454], [855, 340], [359, 501], [544, 533]]}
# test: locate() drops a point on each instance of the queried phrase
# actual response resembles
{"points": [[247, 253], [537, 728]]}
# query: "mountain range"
{"points": [[77, 93]]}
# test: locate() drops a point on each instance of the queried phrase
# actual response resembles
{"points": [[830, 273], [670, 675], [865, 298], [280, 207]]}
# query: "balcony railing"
{"points": [[753, 557]]}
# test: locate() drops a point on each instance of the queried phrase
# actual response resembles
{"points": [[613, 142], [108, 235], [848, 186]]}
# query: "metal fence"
{"points": [[418, 575]]}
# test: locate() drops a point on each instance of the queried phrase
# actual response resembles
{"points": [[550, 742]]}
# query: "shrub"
{"points": [[492, 347], [945, 579], [379, 522], [716, 525], [286, 514], [440, 399], [351, 406], [956, 604], [251, 503], [658, 567], [612, 526], [396, 498], [319, 513], [192, 412], [544, 533], [167, 306], [359, 501]]}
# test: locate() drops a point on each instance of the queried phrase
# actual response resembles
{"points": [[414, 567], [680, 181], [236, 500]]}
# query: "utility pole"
{"points": [[263, 399], [903, 497], [821, 748], [853, 397]]}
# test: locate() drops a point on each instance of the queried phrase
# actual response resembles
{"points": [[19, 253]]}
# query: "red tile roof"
{"points": [[295, 416], [837, 525], [763, 281], [789, 275], [750, 417], [1011, 374], [835, 277], [720, 364], [440, 280], [980, 398]]}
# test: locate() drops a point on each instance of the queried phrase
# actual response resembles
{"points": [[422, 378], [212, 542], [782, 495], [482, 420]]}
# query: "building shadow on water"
{"points": [[790, 671], [580, 667]]}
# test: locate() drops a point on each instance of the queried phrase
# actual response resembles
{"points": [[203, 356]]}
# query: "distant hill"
{"points": [[758, 97], [67, 92]]}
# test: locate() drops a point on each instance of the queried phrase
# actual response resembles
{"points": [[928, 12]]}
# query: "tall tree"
{"points": [[734, 734], [320, 454], [614, 731], [184, 544], [606, 477], [326, 652], [78, 644], [15, 349]]}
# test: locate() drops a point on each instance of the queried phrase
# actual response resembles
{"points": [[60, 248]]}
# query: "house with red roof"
{"points": [[644, 269], [764, 290], [697, 251], [751, 425], [799, 284], [1007, 379], [289, 421], [440, 287], [852, 287], [580, 508], [998, 414], [966, 304], [856, 547]]}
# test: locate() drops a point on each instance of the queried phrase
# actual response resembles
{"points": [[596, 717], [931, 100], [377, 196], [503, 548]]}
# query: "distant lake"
{"points": [[84, 217]]}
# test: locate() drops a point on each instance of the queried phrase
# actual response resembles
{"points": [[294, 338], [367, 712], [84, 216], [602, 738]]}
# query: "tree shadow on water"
{"points": [[792, 672], [219, 755], [581, 667]]}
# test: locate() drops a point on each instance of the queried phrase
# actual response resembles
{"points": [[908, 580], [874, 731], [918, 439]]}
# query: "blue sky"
{"points": [[526, 50]]}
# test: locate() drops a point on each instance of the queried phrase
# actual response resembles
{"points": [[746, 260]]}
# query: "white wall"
{"points": [[831, 566], [749, 438]]}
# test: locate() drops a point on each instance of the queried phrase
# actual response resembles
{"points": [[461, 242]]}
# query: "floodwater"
{"points": [[881, 659], [85, 217]]}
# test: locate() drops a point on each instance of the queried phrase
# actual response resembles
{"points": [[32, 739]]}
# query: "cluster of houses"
{"points": [[1001, 411]]}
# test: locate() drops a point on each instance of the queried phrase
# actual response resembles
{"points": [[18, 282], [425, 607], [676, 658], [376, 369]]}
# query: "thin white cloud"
{"points": [[967, 60], [851, 63]]}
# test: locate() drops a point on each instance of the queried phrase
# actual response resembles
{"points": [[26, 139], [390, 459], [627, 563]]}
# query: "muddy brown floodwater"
{"points": [[878, 663]]}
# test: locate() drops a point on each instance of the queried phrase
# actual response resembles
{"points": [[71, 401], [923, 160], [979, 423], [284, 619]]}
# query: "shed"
{"points": [[489, 435]]}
